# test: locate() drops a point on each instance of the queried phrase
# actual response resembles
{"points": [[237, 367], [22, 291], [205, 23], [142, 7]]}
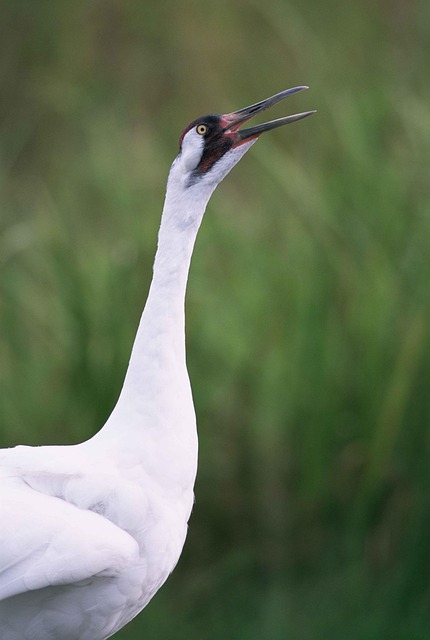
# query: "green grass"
{"points": [[308, 302]]}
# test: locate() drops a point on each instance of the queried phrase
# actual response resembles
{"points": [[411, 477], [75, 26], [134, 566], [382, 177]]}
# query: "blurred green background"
{"points": [[308, 301]]}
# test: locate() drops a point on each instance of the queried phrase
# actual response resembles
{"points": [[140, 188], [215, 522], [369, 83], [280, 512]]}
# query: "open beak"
{"points": [[232, 121]]}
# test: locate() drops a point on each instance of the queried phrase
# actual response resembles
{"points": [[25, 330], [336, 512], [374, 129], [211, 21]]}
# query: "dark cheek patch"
{"points": [[214, 149], [216, 144]]}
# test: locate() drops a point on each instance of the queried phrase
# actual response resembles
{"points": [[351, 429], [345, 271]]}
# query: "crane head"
{"points": [[211, 145]]}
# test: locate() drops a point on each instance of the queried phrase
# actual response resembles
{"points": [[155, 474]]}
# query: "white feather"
{"points": [[90, 532]]}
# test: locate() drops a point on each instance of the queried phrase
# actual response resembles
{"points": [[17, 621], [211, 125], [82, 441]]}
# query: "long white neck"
{"points": [[160, 341], [155, 412]]}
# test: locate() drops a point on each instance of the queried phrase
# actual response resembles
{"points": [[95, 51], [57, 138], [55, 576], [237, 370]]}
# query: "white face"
{"points": [[190, 157], [192, 150]]}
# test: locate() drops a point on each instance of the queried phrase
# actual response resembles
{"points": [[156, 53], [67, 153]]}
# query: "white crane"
{"points": [[89, 532]]}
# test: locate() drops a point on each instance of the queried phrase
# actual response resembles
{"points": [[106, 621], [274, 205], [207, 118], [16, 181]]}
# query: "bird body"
{"points": [[89, 532]]}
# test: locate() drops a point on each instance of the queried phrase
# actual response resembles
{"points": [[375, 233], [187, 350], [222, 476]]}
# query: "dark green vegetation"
{"points": [[308, 303]]}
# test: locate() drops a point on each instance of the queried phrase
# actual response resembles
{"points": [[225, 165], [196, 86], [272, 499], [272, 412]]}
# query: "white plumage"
{"points": [[90, 532]]}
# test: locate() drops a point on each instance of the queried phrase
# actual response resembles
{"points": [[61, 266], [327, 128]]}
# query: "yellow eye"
{"points": [[201, 129]]}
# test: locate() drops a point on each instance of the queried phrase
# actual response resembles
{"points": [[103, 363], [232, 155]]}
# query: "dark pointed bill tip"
{"points": [[232, 121]]}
